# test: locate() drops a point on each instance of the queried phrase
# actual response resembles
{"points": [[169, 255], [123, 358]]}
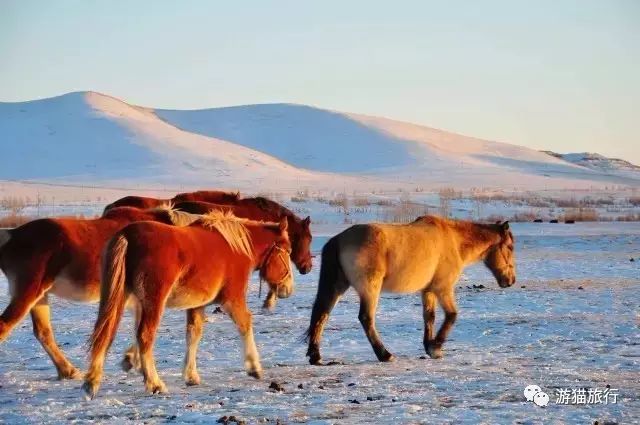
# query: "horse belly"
{"points": [[185, 297], [70, 289], [404, 283], [408, 277]]}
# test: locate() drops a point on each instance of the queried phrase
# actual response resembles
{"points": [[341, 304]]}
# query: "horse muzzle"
{"points": [[304, 267], [284, 291], [507, 282]]}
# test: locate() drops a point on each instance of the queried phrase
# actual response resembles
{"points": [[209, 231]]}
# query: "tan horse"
{"points": [[154, 265], [61, 256], [425, 256]]}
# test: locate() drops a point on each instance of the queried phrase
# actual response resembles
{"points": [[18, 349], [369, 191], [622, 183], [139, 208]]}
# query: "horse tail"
{"points": [[332, 284], [113, 296]]}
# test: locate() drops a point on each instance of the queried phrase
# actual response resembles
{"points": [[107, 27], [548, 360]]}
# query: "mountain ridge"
{"points": [[95, 136]]}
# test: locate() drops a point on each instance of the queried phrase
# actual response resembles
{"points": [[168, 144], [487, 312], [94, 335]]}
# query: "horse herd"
{"points": [[200, 248]]}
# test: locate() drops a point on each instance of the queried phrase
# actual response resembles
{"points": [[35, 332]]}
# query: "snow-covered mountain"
{"points": [[91, 137], [598, 162]]}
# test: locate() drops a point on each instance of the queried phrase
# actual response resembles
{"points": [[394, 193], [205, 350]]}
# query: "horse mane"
{"points": [[178, 218], [233, 229], [470, 232]]}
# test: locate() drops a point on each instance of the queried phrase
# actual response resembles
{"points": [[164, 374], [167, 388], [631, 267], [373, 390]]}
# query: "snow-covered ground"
{"points": [[571, 321]]}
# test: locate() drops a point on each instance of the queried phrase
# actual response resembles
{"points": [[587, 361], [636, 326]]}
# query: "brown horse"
{"points": [[425, 256], [155, 265], [61, 256], [259, 206], [266, 210], [143, 202]]}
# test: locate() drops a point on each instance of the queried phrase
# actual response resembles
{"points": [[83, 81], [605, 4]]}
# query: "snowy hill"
{"points": [[91, 137], [598, 162]]}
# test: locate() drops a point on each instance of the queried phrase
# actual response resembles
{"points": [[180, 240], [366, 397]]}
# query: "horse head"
{"points": [[276, 267], [301, 245], [500, 257]]}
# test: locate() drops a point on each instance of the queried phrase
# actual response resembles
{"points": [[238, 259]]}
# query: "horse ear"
{"points": [[284, 224], [237, 194], [306, 221], [505, 226]]}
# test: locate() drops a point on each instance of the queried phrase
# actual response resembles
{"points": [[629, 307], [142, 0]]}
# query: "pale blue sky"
{"points": [[561, 75]]}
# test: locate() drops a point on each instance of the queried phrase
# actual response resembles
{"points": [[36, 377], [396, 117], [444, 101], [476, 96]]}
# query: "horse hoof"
{"points": [[435, 352], [314, 358], [387, 357], [72, 373], [90, 389], [255, 374], [158, 388], [192, 381]]}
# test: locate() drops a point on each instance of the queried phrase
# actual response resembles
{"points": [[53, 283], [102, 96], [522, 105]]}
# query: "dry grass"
{"points": [[629, 217], [581, 214], [13, 203], [14, 220], [404, 212]]}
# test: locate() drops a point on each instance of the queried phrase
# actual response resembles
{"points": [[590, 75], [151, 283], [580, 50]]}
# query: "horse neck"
{"points": [[262, 238], [474, 240]]}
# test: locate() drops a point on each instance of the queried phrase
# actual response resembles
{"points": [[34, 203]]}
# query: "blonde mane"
{"points": [[233, 229], [178, 218]]}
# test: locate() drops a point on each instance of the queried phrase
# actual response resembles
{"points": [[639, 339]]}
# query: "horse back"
{"points": [[56, 245], [213, 196], [403, 257], [141, 202], [201, 207]]}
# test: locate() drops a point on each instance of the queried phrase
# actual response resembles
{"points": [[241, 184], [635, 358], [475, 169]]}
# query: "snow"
{"points": [[551, 333], [97, 139]]}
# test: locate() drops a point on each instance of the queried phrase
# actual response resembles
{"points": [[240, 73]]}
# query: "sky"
{"points": [[562, 75]]}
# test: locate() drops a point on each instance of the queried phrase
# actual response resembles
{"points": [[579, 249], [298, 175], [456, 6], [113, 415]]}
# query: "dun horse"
{"points": [[144, 202], [155, 265], [266, 210], [426, 256], [61, 256]]}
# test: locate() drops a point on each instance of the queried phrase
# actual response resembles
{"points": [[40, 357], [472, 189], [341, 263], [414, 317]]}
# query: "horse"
{"points": [[266, 210], [144, 202], [61, 256], [425, 256], [156, 266], [259, 206]]}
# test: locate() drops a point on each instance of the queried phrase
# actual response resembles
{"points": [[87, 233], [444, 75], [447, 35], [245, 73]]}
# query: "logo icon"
{"points": [[541, 399], [535, 394], [531, 391]]}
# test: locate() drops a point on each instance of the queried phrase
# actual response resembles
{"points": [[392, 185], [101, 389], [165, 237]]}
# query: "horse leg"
{"points": [[195, 318], [448, 303], [270, 300], [429, 316], [40, 316], [131, 358], [25, 293], [367, 317], [241, 316], [149, 321], [322, 307]]}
